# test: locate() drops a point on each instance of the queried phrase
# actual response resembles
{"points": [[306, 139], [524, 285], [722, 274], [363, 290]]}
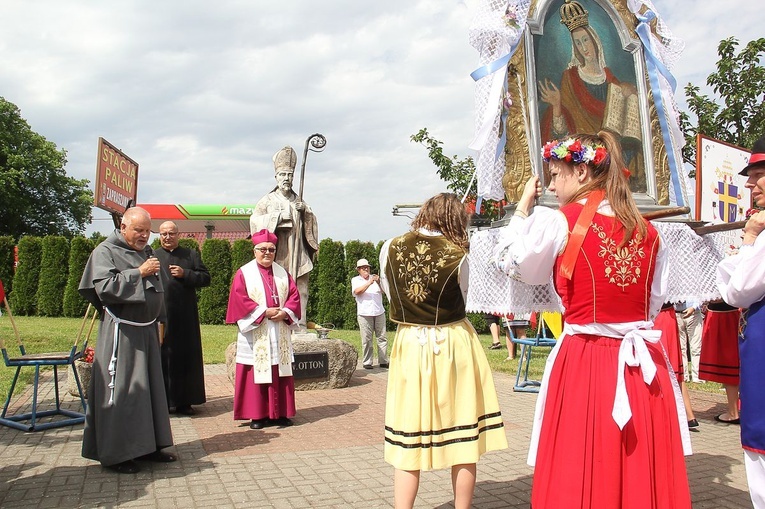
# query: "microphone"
{"points": [[150, 254]]}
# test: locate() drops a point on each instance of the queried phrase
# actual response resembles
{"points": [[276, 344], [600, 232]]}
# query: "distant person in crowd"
{"points": [[493, 321], [689, 322], [719, 360], [741, 281], [127, 417], [182, 364], [441, 408], [370, 313], [667, 322], [609, 431], [285, 214], [265, 304], [518, 323]]}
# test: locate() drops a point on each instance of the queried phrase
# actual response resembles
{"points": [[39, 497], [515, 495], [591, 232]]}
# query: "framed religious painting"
{"points": [[585, 72], [720, 193]]}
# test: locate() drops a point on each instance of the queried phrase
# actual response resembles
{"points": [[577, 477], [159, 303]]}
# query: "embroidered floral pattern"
{"points": [[623, 264], [420, 267]]}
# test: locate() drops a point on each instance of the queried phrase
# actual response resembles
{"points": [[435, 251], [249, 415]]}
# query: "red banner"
{"points": [[116, 179]]}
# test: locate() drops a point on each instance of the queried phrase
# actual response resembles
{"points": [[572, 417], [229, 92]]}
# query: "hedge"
{"points": [[241, 253], [7, 261], [332, 282], [24, 296], [79, 251], [213, 299], [53, 274]]}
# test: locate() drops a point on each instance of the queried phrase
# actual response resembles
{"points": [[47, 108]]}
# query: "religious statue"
{"points": [[285, 214]]}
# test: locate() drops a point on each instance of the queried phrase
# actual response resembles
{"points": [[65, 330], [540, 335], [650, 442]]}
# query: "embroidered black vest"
{"points": [[423, 278]]}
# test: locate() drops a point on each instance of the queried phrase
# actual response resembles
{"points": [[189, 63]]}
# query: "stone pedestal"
{"points": [[342, 360]]}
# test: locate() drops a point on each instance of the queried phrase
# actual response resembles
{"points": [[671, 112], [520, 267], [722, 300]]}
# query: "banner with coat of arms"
{"points": [[721, 195]]}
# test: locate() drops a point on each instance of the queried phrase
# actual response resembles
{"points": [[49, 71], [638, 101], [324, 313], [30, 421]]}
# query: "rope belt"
{"points": [[113, 361]]}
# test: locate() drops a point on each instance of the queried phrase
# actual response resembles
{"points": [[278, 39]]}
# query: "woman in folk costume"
{"points": [[609, 428], [719, 360], [441, 408], [265, 304]]}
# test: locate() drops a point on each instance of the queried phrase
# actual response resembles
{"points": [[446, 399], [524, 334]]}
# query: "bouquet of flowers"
{"points": [[88, 354]]}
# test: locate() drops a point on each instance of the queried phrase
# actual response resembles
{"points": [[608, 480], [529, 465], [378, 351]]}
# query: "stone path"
{"points": [[331, 457]]}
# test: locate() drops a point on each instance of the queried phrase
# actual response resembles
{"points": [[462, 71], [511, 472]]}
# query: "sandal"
{"points": [[495, 346]]}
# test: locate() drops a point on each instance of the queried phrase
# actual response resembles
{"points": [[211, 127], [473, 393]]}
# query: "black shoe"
{"points": [[158, 457], [384, 366], [283, 422], [719, 418], [495, 346], [258, 423], [368, 366], [693, 423], [126, 467], [185, 410]]}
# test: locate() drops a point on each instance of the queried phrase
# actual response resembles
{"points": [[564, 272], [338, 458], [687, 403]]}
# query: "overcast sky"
{"points": [[202, 94]]}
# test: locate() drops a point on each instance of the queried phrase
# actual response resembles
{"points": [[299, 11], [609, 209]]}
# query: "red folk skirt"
{"points": [[263, 401], [719, 347], [584, 461], [666, 322]]}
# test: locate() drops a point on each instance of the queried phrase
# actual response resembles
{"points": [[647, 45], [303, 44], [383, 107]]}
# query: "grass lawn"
{"points": [[57, 334]]}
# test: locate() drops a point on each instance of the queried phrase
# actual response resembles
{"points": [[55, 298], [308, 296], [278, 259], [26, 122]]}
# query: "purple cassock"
{"points": [[255, 398]]}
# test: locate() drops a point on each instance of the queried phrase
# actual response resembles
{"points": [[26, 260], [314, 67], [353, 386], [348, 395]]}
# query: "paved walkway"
{"points": [[332, 457]]}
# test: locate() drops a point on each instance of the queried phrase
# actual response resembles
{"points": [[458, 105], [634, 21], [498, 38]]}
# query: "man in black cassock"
{"points": [[182, 365], [126, 418]]}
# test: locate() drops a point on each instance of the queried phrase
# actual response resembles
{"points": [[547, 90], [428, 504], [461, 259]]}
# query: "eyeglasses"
{"points": [[265, 250]]}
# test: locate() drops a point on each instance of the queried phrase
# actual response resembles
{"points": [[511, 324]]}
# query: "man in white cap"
{"points": [[370, 313], [285, 214], [741, 281]]}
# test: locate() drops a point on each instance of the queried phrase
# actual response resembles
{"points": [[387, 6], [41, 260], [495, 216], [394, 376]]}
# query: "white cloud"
{"points": [[202, 94]]}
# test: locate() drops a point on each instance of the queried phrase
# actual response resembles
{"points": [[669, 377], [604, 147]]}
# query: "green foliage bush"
{"points": [[241, 253], [213, 299], [189, 243], [53, 274], [24, 297], [7, 260], [332, 282], [479, 322], [79, 251]]}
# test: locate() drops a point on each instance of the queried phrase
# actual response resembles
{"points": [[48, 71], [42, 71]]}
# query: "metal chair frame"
{"points": [[39, 360], [524, 358]]}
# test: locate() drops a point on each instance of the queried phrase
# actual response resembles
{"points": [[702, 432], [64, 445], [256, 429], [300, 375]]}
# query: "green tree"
{"points": [[456, 172], [53, 273], [739, 81], [24, 296], [36, 196], [355, 250], [7, 260], [332, 283], [189, 243], [312, 308], [241, 253], [213, 299], [79, 251]]}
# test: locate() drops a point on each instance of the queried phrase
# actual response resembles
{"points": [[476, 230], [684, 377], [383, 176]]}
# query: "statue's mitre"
{"points": [[285, 159], [573, 15]]}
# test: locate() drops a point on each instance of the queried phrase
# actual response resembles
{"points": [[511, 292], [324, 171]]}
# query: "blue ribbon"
{"points": [[654, 67], [496, 65]]}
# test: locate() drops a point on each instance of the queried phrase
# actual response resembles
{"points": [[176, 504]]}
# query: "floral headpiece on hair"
{"points": [[573, 151]]}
